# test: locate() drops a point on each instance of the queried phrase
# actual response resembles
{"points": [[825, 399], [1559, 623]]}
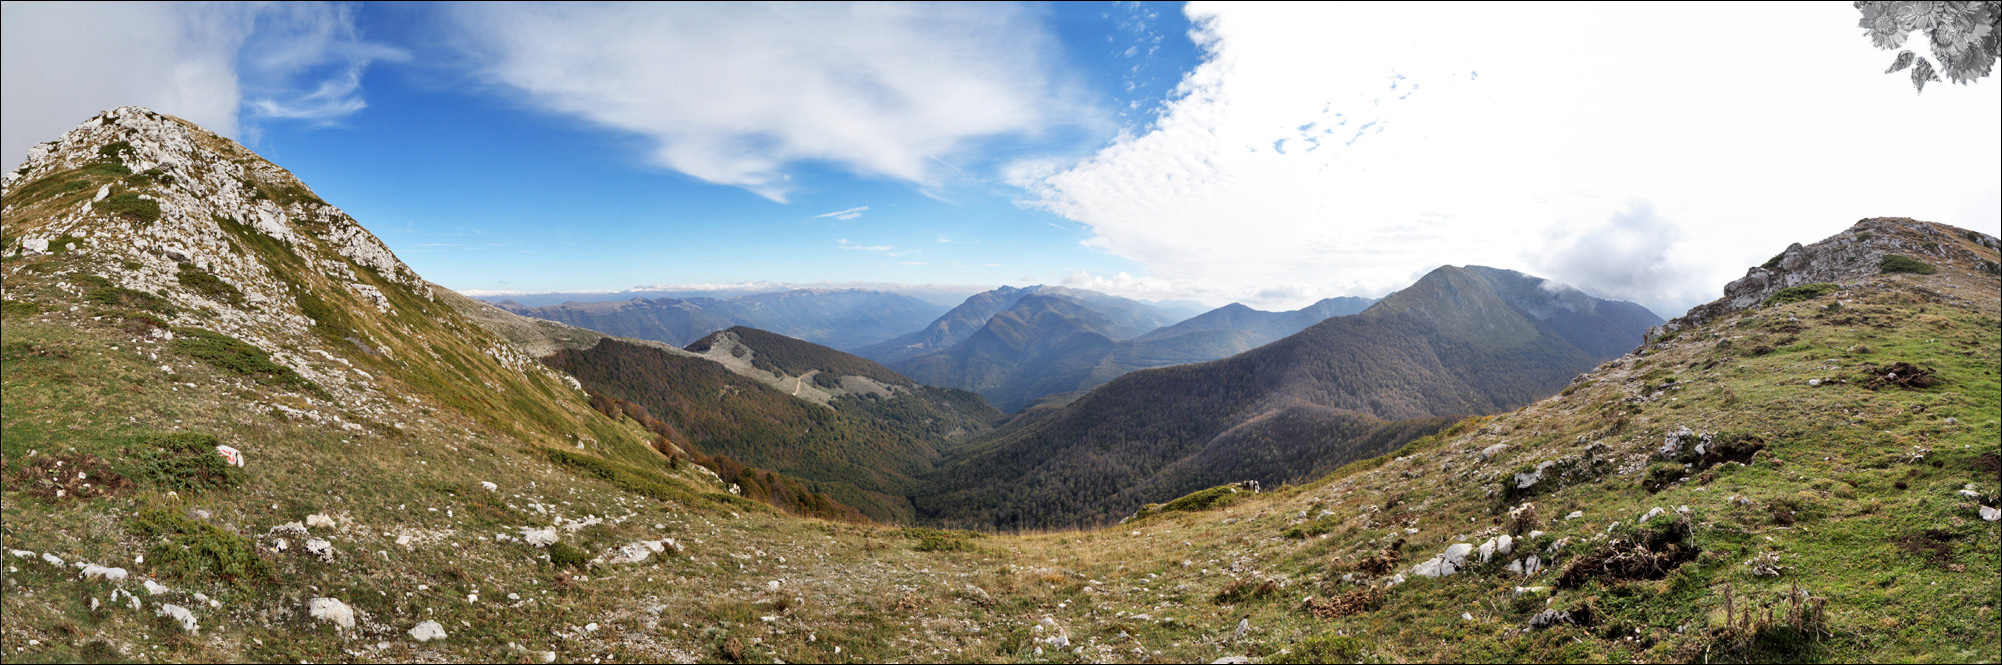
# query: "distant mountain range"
{"points": [[844, 318], [1460, 341], [1014, 346]]}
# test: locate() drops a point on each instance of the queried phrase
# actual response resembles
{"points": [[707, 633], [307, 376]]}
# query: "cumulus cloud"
{"points": [[1291, 166], [736, 94], [1631, 255], [62, 62]]}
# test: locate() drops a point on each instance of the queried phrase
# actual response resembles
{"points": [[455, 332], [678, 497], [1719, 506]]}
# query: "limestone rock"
{"points": [[427, 631], [332, 611]]}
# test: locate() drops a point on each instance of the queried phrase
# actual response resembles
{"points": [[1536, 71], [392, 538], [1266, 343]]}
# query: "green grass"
{"points": [[237, 357], [131, 205], [200, 281]]}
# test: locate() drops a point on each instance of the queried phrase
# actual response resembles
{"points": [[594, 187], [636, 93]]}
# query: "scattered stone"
{"points": [[489, 486], [1446, 563], [321, 548], [1991, 514], [427, 631], [155, 588], [1656, 512], [332, 611], [1548, 618], [109, 574], [1490, 452], [538, 537], [1242, 626], [319, 519], [1575, 514], [180, 614], [231, 455]]}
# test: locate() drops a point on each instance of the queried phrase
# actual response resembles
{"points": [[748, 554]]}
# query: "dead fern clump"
{"points": [[1523, 519], [1901, 374], [1382, 563], [1645, 552], [1782, 631], [74, 476], [1353, 602]]}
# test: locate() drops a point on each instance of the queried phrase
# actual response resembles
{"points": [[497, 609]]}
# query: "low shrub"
{"points": [[565, 555], [202, 282], [1894, 263], [185, 549], [185, 462], [1794, 294]]}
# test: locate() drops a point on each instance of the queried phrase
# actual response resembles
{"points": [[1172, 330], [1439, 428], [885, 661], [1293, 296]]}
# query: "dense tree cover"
{"points": [[1461, 341], [753, 483], [863, 452]]}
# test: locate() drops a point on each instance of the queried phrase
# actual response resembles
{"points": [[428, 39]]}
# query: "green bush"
{"points": [[565, 555], [1902, 264], [234, 356], [185, 549], [131, 205], [1793, 294], [111, 150], [202, 282], [185, 462]]}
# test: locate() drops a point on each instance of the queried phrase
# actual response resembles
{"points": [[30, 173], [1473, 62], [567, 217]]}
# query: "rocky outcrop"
{"points": [[1846, 258]]}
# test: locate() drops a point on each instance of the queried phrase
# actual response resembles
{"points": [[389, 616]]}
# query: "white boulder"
{"points": [[180, 614], [427, 631], [332, 611]]}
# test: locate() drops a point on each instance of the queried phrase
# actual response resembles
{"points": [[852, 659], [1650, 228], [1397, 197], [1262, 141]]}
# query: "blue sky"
{"points": [[1272, 155]]}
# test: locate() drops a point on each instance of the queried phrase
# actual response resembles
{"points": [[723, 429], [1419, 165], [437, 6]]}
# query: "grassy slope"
{"points": [[1868, 479]]}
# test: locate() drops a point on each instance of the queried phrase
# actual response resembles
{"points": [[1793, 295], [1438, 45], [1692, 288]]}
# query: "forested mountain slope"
{"points": [[1455, 343]]}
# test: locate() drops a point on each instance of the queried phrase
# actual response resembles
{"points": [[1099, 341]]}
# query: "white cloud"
{"points": [[62, 62], [1316, 153], [844, 215], [737, 94], [844, 244]]}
